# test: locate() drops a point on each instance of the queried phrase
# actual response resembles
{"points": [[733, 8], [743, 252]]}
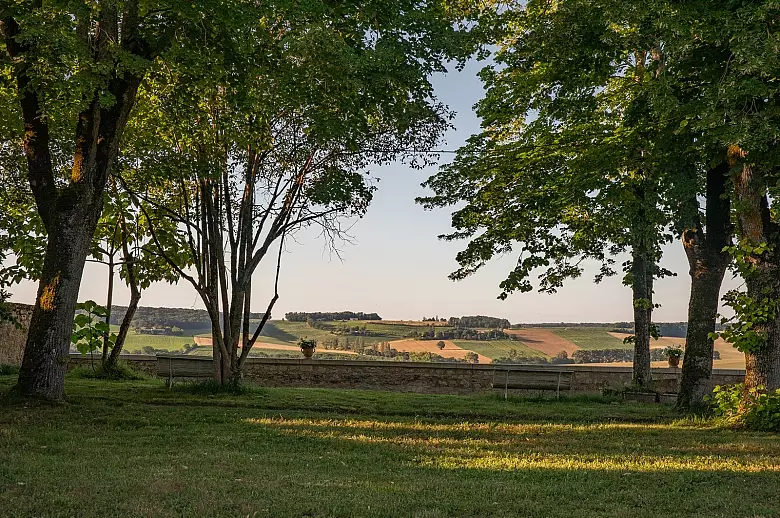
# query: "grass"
{"points": [[499, 348], [134, 448], [590, 337]]}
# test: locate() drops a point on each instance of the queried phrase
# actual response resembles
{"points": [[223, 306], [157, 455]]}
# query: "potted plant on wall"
{"points": [[307, 347], [673, 354]]}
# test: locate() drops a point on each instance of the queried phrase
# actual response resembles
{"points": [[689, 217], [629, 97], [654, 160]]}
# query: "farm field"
{"points": [[544, 340], [499, 348], [137, 449], [730, 358], [451, 349], [135, 341], [590, 337]]}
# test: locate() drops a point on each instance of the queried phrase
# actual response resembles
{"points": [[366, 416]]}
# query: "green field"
{"points": [[499, 348], [135, 341], [590, 337], [137, 449]]}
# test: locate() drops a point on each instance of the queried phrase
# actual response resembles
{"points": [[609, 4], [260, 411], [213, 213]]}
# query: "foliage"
{"points": [[440, 345], [673, 351], [613, 355], [297, 316], [755, 409], [307, 344], [480, 321], [471, 357], [90, 327]]}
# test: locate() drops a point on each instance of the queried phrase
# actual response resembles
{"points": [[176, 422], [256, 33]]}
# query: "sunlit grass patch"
{"points": [[138, 449]]}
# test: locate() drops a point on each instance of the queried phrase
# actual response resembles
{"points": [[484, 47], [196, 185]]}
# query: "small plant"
{"points": [[440, 345], [90, 327], [307, 344], [756, 409], [673, 351]]}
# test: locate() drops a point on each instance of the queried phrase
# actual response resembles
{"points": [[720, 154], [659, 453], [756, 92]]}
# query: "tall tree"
{"points": [[566, 167], [74, 100], [279, 135]]}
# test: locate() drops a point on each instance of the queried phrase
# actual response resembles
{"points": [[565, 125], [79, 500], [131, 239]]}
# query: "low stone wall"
{"points": [[12, 338], [439, 378]]}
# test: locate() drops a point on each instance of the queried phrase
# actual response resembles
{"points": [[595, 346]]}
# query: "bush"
{"points": [[9, 370], [757, 409]]}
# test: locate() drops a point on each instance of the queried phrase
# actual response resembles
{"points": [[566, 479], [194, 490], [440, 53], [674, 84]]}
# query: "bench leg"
{"points": [[506, 386], [558, 388]]}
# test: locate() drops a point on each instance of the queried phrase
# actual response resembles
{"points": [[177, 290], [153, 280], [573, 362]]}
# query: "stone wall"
{"points": [[140, 362], [13, 339], [437, 378]]}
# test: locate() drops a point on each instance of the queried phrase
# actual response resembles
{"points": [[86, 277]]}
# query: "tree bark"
{"points": [[109, 305], [762, 366], [51, 326], [642, 287], [708, 263]]}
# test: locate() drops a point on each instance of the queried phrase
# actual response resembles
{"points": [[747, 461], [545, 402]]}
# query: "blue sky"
{"points": [[398, 268]]}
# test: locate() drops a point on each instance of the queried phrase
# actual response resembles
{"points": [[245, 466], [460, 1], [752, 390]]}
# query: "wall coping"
{"points": [[443, 365]]}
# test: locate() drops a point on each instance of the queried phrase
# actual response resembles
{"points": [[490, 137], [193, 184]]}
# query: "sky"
{"points": [[396, 266]]}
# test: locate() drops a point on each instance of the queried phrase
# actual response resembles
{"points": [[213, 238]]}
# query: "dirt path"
{"points": [[543, 340], [429, 346]]}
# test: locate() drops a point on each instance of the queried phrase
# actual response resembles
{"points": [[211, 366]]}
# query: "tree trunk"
{"points": [[124, 328], [642, 287], [109, 304], [762, 365], [708, 263], [48, 340], [706, 278]]}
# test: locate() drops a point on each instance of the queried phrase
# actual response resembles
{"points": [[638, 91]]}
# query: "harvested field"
{"points": [[544, 340], [429, 346], [207, 342], [730, 358]]}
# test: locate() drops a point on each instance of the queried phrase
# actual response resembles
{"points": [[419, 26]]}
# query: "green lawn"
{"points": [[590, 337], [499, 348], [137, 449]]}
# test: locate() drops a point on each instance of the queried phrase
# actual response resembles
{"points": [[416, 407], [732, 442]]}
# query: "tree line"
{"points": [[299, 316], [479, 321]]}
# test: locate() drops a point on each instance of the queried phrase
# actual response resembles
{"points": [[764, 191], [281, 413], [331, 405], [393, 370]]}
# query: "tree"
{"points": [[73, 100], [566, 167], [721, 88], [441, 345], [123, 240], [277, 136]]}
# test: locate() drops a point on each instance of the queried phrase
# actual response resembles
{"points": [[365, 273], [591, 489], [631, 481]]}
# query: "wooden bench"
{"points": [[532, 378], [171, 367]]}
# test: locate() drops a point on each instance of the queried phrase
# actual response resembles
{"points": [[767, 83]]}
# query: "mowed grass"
{"points": [[499, 348], [138, 449], [590, 337]]}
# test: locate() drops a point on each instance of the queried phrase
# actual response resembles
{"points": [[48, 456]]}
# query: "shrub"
{"points": [[756, 409]]}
